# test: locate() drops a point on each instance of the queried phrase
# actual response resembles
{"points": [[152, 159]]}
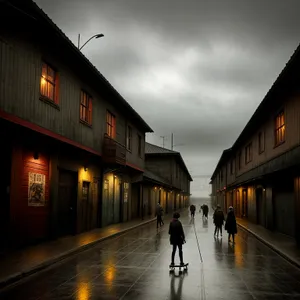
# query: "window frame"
{"points": [[261, 146], [129, 138], [54, 100], [249, 153], [86, 117], [277, 129], [110, 123]]}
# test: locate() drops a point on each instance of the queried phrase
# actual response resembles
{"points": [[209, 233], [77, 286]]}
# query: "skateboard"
{"points": [[184, 267]]}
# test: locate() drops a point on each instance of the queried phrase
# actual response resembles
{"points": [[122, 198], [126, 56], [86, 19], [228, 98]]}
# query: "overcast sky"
{"points": [[195, 68]]}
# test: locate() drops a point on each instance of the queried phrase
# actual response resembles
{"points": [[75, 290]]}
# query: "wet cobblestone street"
{"points": [[136, 266]]}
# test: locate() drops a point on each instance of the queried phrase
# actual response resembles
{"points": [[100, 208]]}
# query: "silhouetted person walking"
{"points": [[177, 238], [159, 213], [204, 208], [192, 210], [218, 220], [230, 224]]}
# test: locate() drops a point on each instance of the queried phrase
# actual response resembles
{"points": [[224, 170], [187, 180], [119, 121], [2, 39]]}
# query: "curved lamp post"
{"points": [[96, 36]]}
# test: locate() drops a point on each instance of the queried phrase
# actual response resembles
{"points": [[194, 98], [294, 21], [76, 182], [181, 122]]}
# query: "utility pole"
{"points": [[163, 138], [172, 141]]}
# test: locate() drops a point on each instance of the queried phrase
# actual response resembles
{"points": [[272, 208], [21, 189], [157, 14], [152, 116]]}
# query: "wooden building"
{"points": [[259, 174], [166, 180], [72, 146]]}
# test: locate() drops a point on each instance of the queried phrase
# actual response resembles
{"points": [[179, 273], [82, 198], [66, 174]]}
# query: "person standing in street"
{"points": [[230, 225], [159, 213], [218, 220], [205, 211], [177, 238], [192, 210]]}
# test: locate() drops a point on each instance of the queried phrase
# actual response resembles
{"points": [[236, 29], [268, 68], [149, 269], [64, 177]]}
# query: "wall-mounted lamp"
{"points": [[35, 155], [115, 176], [264, 190], [86, 168], [160, 189]]}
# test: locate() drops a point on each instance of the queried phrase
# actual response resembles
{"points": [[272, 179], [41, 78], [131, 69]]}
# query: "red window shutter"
{"points": [[90, 113]]}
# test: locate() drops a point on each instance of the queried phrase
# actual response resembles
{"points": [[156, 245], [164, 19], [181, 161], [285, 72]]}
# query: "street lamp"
{"points": [[96, 36]]}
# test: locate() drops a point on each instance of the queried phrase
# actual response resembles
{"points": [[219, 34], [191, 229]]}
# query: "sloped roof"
{"points": [[287, 77], [153, 150], [148, 174], [30, 8], [224, 156]]}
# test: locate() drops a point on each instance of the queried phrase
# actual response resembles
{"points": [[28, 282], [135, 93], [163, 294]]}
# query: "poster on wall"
{"points": [[36, 189]]}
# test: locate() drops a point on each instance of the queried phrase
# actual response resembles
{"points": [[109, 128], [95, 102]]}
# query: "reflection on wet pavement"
{"points": [[135, 266]]}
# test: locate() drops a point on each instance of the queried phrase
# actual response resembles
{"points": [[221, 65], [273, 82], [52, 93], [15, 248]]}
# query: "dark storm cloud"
{"points": [[195, 68]]}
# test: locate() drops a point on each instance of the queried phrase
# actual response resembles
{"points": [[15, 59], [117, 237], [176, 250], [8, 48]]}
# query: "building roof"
{"points": [[154, 150], [287, 77], [30, 8], [225, 154], [148, 174]]}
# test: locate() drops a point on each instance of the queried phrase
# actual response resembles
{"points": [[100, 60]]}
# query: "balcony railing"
{"points": [[113, 151]]}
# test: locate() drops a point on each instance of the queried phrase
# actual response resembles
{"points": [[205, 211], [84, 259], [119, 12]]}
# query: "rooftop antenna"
{"points": [[163, 138]]}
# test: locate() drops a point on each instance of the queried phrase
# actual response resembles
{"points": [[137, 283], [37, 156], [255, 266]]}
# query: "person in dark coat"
{"points": [[230, 225], [218, 220], [193, 209], [159, 213], [177, 237], [205, 211]]}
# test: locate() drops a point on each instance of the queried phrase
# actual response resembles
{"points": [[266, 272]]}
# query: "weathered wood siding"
{"points": [[160, 166], [20, 75], [291, 108]]}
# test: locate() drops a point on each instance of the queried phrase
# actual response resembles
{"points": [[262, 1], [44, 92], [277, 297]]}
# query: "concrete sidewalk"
{"points": [[17, 265], [280, 243]]}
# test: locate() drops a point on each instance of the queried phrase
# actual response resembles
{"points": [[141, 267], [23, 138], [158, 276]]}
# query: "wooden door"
{"points": [[67, 202]]}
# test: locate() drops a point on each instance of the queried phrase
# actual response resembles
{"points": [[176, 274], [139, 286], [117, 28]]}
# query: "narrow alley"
{"points": [[136, 266]]}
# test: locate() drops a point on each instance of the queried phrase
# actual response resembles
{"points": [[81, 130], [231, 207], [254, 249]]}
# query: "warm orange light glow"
{"points": [[83, 291], [110, 275], [84, 174], [43, 81], [238, 257]]}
